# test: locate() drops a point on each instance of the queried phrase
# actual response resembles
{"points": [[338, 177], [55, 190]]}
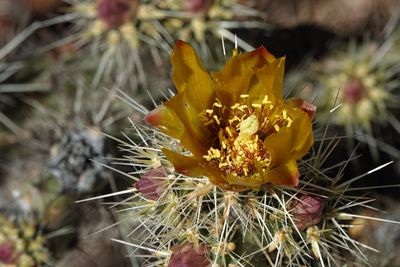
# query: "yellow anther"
{"points": [[216, 119], [207, 122], [284, 114], [244, 96], [236, 118], [228, 131], [218, 105], [223, 144], [256, 105], [235, 106], [289, 122], [277, 128], [209, 111], [242, 107], [222, 164], [265, 100]]}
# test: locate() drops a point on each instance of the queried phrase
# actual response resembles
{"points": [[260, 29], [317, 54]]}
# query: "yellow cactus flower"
{"points": [[240, 131]]}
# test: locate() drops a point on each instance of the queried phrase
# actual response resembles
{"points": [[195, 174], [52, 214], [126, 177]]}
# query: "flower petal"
{"points": [[193, 166], [249, 182], [235, 77], [284, 174], [290, 142], [304, 105], [187, 165], [166, 120], [194, 137], [270, 79], [190, 76], [302, 131]]}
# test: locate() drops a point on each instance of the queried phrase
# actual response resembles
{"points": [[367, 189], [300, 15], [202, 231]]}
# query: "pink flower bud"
{"points": [[196, 6], [152, 183], [116, 12], [7, 253], [187, 255], [353, 91], [307, 211]]}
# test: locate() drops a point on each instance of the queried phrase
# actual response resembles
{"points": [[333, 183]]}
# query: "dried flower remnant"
{"points": [[239, 129], [152, 183], [307, 211], [187, 255], [73, 159]]}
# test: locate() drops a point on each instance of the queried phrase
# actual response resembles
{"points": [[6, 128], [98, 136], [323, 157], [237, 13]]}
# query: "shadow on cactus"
{"points": [[227, 177]]}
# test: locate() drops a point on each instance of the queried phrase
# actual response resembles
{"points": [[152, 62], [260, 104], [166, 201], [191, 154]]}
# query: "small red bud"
{"points": [[353, 91], [152, 183], [306, 106], [307, 211], [116, 12], [7, 253], [196, 6], [187, 255]]}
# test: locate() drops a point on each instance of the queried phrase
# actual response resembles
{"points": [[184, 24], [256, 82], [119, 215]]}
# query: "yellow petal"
{"points": [[302, 127], [270, 79], [290, 142], [187, 165], [166, 120], [194, 137], [284, 174], [249, 182], [237, 74], [232, 81], [193, 166], [190, 76]]}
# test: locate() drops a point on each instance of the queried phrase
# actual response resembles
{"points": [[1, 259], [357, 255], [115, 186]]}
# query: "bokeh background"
{"points": [[72, 73]]}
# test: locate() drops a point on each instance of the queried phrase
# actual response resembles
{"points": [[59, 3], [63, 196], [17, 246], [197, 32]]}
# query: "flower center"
{"points": [[240, 131]]}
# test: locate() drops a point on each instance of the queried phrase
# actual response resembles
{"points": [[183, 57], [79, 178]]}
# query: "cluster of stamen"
{"points": [[240, 131]]}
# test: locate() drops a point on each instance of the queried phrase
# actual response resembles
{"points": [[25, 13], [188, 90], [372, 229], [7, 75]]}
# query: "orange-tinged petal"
{"points": [[194, 137], [304, 105], [190, 76], [284, 174], [166, 120]]}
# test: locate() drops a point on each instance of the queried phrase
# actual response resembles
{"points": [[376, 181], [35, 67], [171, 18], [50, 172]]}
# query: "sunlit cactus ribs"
{"points": [[230, 176]]}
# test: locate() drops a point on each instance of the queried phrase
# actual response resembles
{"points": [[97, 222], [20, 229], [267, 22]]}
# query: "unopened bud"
{"points": [[7, 253], [187, 255], [152, 183], [116, 12], [307, 211]]}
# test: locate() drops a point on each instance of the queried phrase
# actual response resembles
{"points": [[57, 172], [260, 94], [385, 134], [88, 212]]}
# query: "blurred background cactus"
{"points": [[84, 181]]}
